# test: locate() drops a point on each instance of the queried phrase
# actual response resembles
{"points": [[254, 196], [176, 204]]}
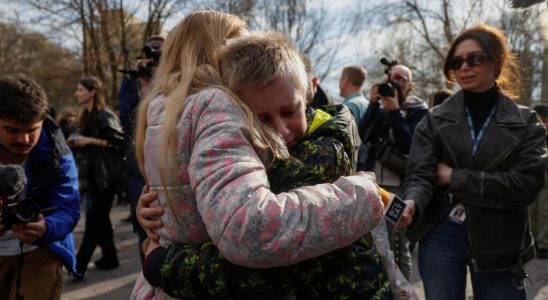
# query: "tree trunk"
{"points": [[526, 69], [544, 76], [123, 38], [106, 19]]}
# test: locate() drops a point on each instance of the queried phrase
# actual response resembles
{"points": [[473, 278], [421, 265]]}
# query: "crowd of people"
{"points": [[246, 180]]}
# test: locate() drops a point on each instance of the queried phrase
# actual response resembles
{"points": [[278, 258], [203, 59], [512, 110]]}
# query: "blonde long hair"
{"points": [[189, 63]]}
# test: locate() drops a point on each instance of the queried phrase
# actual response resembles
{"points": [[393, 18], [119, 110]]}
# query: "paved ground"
{"points": [[117, 284]]}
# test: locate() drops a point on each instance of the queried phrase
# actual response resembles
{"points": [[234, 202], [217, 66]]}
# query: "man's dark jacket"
{"points": [[398, 125]]}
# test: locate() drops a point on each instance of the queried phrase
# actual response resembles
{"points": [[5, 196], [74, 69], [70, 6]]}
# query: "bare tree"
{"points": [[523, 31], [524, 3], [544, 74], [311, 26], [108, 31], [431, 27], [32, 54], [158, 12]]}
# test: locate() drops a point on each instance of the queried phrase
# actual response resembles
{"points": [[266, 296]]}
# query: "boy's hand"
{"points": [[149, 217]]}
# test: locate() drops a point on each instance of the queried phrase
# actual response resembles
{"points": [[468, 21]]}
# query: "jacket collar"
{"points": [[354, 95], [507, 111], [414, 102]]}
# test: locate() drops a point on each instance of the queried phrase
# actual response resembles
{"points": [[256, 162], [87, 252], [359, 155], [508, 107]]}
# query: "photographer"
{"points": [[31, 254], [386, 129], [133, 87]]}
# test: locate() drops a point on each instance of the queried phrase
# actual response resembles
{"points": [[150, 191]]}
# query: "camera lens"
{"points": [[386, 89], [26, 212]]}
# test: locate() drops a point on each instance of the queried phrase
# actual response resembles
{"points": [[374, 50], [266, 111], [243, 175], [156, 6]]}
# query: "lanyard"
{"points": [[476, 139]]}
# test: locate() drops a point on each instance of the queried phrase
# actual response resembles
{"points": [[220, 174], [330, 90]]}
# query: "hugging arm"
{"points": [[252, 226]]}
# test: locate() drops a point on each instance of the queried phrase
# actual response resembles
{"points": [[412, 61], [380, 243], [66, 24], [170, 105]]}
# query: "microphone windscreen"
{"points": [[12, 180]]}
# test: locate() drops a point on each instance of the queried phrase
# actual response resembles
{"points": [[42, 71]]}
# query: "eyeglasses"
{"points": [[473, 60]]}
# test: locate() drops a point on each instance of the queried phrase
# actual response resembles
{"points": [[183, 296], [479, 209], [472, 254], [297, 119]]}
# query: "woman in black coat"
{"points": [[476, 163], [98, 144]]}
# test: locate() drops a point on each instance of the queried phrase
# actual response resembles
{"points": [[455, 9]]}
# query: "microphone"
{"points": [[12, 181]]}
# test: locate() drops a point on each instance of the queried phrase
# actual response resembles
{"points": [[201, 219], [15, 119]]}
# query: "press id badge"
{"points": [[395, 210], [457, 214]]}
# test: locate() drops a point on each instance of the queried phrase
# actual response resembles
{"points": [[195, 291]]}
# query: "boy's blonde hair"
{"points": [[254, 60]]}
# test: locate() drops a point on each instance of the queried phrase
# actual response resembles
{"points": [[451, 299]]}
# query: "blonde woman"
{"points": [[203, 151]]}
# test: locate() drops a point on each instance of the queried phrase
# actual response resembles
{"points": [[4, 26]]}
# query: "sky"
{"points": [[11, 8], [351, 53]]}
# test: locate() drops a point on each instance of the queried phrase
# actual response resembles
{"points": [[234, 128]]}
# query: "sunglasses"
{"points": [[473, 60]]}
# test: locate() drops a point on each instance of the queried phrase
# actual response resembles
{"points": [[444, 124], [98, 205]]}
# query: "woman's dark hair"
{"points": [[22, 99], [493, 43], [92, 83]]}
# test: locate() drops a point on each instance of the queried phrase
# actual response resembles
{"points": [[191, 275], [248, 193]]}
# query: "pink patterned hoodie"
{"points": [[222, 194]]}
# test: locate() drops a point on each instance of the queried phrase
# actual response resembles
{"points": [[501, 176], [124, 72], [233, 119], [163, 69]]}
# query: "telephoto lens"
{"points": [[386, 89]]}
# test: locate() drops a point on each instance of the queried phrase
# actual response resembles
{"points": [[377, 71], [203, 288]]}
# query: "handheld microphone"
{"points": [[12, 181]]}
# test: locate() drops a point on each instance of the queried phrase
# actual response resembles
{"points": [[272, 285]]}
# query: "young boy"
{"points": [[322, 144]]}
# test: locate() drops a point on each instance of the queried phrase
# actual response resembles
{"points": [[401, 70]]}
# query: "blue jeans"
{"points": [[443, 258]]}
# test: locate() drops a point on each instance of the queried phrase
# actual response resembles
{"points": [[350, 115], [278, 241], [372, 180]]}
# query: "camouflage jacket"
{"points": [[326, 152]]}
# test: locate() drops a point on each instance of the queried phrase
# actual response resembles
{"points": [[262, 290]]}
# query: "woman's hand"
{"points": [[79, 141], [444, 174], [149, 217], [407, 215]]}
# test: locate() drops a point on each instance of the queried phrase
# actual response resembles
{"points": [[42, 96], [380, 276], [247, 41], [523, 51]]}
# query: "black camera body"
{"points": [[145, 69], [18, 213], [151, 52], [388, 88]]}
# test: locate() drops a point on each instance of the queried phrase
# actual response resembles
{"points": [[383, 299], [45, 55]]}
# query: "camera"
{"points": [[13, 211], [389, 64], [387, 88], [152, 51], [145, 69], [18, 213]]}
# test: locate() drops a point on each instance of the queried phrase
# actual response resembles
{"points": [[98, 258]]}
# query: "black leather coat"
{"points": [[100, 166], [496, 186]]}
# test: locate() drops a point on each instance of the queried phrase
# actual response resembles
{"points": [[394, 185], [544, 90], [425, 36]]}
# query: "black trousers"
{"points": [[98, 228]]}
